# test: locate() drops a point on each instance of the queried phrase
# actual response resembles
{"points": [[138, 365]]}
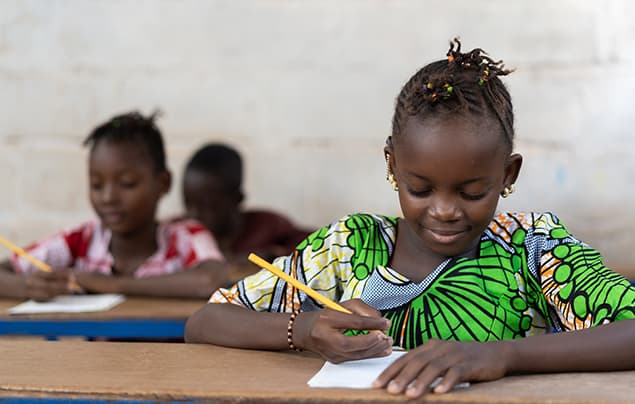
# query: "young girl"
{"points": [[126, 250], [452, 282]]}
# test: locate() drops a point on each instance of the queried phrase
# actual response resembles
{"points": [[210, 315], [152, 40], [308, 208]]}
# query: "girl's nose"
{"points": [[108, 193], [445, 209]]}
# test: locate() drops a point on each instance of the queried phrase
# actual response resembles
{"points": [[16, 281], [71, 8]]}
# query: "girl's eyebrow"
{"points": [[466, 182]]}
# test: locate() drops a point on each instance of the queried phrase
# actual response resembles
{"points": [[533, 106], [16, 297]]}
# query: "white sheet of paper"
{"points": [[69, 304], [358, 374]]}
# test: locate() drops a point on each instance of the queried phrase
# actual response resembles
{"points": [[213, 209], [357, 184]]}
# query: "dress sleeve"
{"points": [[194, 242], [578, 287], [57, 251], [322, 261]]}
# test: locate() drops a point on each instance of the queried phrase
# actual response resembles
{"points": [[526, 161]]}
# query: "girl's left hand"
{"points": [[453, 361], [97, 283]]}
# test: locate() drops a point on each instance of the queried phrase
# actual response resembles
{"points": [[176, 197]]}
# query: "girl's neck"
{"points": [[141, 242]]}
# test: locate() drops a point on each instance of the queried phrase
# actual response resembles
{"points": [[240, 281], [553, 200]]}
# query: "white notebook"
{"points": [[69, 304], [358, 374]]}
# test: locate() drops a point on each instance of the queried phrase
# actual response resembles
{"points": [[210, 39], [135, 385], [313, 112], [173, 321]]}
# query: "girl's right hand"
{"points": [[320, 331], [41, 286]]}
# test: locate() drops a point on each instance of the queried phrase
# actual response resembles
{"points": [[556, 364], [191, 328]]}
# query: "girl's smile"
{"points": [[445, 236]]}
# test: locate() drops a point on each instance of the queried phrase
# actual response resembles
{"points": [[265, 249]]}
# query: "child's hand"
{"points": [[40, 285], [453, 361], [97, 283], [321, 332]]}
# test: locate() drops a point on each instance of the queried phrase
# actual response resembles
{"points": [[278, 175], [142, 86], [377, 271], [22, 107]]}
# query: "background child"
{"points": [[212, 194], [126, 250], [451, 281]]}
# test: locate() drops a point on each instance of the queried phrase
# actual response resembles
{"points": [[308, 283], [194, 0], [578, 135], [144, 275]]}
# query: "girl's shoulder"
{"points": [[354, 229], [522, 224], [365, 221], [182, 224]]}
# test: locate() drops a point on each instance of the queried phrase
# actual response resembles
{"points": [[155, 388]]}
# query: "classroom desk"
{"points": [[186, 372], [136, 317]]}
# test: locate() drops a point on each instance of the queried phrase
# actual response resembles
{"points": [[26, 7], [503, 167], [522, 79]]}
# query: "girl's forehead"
{"points": [[120, 154], [456, 146], [449, 133]]}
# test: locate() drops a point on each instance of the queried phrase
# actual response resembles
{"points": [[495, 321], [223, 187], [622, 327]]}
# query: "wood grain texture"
{"points": [[159, 371]]}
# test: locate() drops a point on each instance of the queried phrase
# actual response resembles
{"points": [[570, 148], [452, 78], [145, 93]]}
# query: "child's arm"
{"points": [[197, 282], [602, 348], [37, 285], [318, 331]]}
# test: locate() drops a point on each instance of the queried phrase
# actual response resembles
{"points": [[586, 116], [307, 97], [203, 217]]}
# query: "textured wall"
{"points": [[306, 90]]}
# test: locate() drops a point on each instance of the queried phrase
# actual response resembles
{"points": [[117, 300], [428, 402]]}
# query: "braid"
{"points": [[464, 83], [134, 128]]}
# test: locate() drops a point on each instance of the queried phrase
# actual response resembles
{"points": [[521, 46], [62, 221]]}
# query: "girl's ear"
{"points": [[165, 182], [390, 166], [389, 155], [512, 169]]}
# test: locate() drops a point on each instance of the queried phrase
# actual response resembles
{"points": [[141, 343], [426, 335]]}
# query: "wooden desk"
{"points": [[134, 318], [169, 372]]}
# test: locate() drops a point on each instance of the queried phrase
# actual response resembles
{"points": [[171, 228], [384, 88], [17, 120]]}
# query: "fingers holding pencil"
{"points": [[40, 285], [321, 331]]}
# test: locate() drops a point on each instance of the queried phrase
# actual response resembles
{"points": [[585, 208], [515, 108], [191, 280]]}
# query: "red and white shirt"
{"points": [[86, 248]]}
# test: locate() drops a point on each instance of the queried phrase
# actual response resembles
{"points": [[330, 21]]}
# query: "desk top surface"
{"points": [[131, 308], [161, 371]]}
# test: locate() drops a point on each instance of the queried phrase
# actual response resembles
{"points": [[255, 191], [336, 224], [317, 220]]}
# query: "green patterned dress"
{"points": [[530, 276]]}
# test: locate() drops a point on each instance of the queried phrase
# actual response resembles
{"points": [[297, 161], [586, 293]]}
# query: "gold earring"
{"points": [[389, 175], [508, 190]]}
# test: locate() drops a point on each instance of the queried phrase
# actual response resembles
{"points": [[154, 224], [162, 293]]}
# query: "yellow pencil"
{"points": [[25, 255], [296, 283]]}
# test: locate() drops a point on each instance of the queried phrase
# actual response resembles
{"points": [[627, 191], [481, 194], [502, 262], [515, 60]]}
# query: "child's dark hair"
{"points": [[133, 128], [220, 160], [463, 83]]}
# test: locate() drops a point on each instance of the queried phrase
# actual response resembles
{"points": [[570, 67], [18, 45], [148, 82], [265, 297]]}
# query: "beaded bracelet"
{"points": [[290, 331]]}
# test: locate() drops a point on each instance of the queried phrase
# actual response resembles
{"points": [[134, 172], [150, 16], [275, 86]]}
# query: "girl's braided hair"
{"points": [[463, 83]]}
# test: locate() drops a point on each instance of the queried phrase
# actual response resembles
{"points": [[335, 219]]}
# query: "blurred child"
{"points": [[212, 194], [473, 295], [126, 250]]}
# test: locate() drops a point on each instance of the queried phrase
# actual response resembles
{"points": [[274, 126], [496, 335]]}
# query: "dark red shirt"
{"points": [[267, 233]]}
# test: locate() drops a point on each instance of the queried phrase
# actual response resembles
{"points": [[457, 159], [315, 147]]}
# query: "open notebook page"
{"points": [[358, 374], [69, 304]]}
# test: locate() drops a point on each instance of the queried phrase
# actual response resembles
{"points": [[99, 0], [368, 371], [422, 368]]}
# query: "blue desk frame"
{"points": [[137, 328]]}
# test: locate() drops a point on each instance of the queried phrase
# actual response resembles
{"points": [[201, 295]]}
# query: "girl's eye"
{"points": [[420, 193], [474, 197], [128, 184], [95, 186]]}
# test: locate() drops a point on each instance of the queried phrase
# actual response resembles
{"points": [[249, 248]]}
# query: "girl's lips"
{"points": [[112, 217], [445, 236]]}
